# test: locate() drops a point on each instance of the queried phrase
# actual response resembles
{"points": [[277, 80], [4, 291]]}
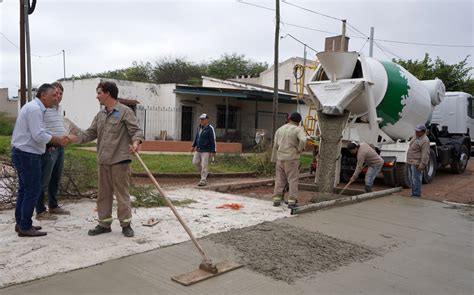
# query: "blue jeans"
{"points": [[52, 163], [371, 174], [28, 168], [416, 176]]}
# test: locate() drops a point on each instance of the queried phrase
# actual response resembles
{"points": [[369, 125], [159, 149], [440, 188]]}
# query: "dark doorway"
{"points": [[186, 123]]}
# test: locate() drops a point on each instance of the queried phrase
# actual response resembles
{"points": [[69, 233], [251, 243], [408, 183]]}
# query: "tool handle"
{"points": [[170, 204]]}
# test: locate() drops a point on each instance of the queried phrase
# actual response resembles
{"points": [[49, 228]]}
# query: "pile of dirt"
{"points": [[288, 253]]}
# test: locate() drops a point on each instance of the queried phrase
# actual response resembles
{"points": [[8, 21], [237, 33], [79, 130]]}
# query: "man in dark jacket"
{"points": [[204, 145]]}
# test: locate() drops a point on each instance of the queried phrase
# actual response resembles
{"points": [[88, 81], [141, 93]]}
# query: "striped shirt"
{"points": [[54, 121], [29, 134]]}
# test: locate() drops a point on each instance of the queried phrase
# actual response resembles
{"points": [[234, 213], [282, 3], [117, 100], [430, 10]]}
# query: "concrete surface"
{"points": [[426, 249]]}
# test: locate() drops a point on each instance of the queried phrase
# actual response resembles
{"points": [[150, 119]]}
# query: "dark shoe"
{"points": [[59, 211], [368, 189], [202, 183], [17, 227], [99, 230], [292, 204], [45, 215], [31, 233], [127, 231], [276, 201]]}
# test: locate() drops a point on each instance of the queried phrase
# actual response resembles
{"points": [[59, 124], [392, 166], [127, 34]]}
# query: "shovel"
{"points": [[206, 269], [345, 187]]}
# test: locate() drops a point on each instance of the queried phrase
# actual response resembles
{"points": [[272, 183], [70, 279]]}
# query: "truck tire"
{"points": [[459, 164], [403, 175], [389, 178], [430, 170]]}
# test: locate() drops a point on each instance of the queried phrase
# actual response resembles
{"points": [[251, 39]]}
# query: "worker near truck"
{"points": [[418, 156], [289, 143], [368, 156]]}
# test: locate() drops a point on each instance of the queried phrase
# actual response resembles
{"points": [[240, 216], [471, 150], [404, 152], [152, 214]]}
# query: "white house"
{"points": [[170, 111]]}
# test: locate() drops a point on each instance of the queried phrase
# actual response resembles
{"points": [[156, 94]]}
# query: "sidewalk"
{"points": [[424, 248]]}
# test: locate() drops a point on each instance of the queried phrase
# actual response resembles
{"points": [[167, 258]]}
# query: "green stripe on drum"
{"points": [[391, 106]]}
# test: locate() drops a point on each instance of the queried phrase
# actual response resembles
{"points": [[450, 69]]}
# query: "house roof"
{"points": [[242, 94], [253, 87]]}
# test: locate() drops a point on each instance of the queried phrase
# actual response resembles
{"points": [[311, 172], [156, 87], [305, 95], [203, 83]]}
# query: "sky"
{"points": [[104, 35]]}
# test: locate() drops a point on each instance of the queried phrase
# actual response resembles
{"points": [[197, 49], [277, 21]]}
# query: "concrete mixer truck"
{"points": [[385, 102]]}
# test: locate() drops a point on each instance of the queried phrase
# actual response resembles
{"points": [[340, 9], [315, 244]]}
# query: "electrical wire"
{"points": [[35, 55], [255, 5], [313, 11], [365, 43]]}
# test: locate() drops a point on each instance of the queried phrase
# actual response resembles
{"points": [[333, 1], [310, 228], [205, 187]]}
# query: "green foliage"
{"points": [[456, 77], [146, 196], [6, 124], [228, 66], [5, 145], [179, 70]]}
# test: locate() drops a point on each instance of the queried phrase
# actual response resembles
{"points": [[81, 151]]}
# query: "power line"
{"points": [[381, 40], [317, 30], [35, 55], [255, 5], [294, 38], [365, 43], [313, 11]]}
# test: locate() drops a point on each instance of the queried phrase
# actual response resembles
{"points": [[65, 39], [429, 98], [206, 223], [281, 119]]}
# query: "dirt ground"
{"points": [[287, 253], [445, 186]]}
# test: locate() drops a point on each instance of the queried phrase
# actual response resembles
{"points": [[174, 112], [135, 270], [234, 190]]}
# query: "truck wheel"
{"points": [[389, 178], [459, 165], [403, 175], [430, 170]]}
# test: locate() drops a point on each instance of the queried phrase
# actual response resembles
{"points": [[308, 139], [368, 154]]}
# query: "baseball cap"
{"points": [[204, 116], [420, 127]]}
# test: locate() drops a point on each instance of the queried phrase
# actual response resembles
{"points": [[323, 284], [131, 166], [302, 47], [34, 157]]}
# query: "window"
{"points": [[232, 117], [470, 107], [287, 85]]}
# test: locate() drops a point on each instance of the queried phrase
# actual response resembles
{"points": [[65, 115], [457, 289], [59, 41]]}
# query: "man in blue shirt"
{"points": [[29, 141], [204, 145]]}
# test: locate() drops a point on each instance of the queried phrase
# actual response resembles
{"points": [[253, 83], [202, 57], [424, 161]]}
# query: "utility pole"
{"points": [[22, 55], [28, 49], [371, 42], [64, 63], [275, 70]]}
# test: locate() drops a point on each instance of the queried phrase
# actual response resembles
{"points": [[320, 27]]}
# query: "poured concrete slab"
{"points": [[425, 249]]}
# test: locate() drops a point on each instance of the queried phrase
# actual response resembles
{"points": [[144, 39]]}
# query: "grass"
{"points": [[145, 196], [224, 163], [6, 124]]}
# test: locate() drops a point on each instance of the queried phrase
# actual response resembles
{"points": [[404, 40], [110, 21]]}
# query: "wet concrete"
{"points": [[287, 253], [424, 249]]}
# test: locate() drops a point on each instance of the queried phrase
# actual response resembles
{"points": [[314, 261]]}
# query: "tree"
{"points": [[456, 77], [177, 70], [140, 72], [229, 66]]}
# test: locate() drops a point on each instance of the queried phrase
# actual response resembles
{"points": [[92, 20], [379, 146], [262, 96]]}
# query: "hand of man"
{"points": [[134, 147], [192, 149], [352, 179], [420, 167], [213, 156], [72, 138], [64, 140]]}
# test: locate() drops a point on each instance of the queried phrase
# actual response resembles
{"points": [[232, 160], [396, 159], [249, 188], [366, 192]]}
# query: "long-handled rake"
{"points": [[206, 269]]}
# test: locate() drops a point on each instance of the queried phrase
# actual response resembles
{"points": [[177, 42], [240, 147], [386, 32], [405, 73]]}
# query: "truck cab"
{"points": [[455, 114]]}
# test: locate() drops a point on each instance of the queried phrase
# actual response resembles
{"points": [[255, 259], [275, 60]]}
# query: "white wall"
{"points": [[8, 106], [285, 72], [81, 105]]}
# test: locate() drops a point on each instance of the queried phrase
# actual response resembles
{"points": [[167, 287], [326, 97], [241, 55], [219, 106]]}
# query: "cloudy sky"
{"points": [[105, 35]]}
